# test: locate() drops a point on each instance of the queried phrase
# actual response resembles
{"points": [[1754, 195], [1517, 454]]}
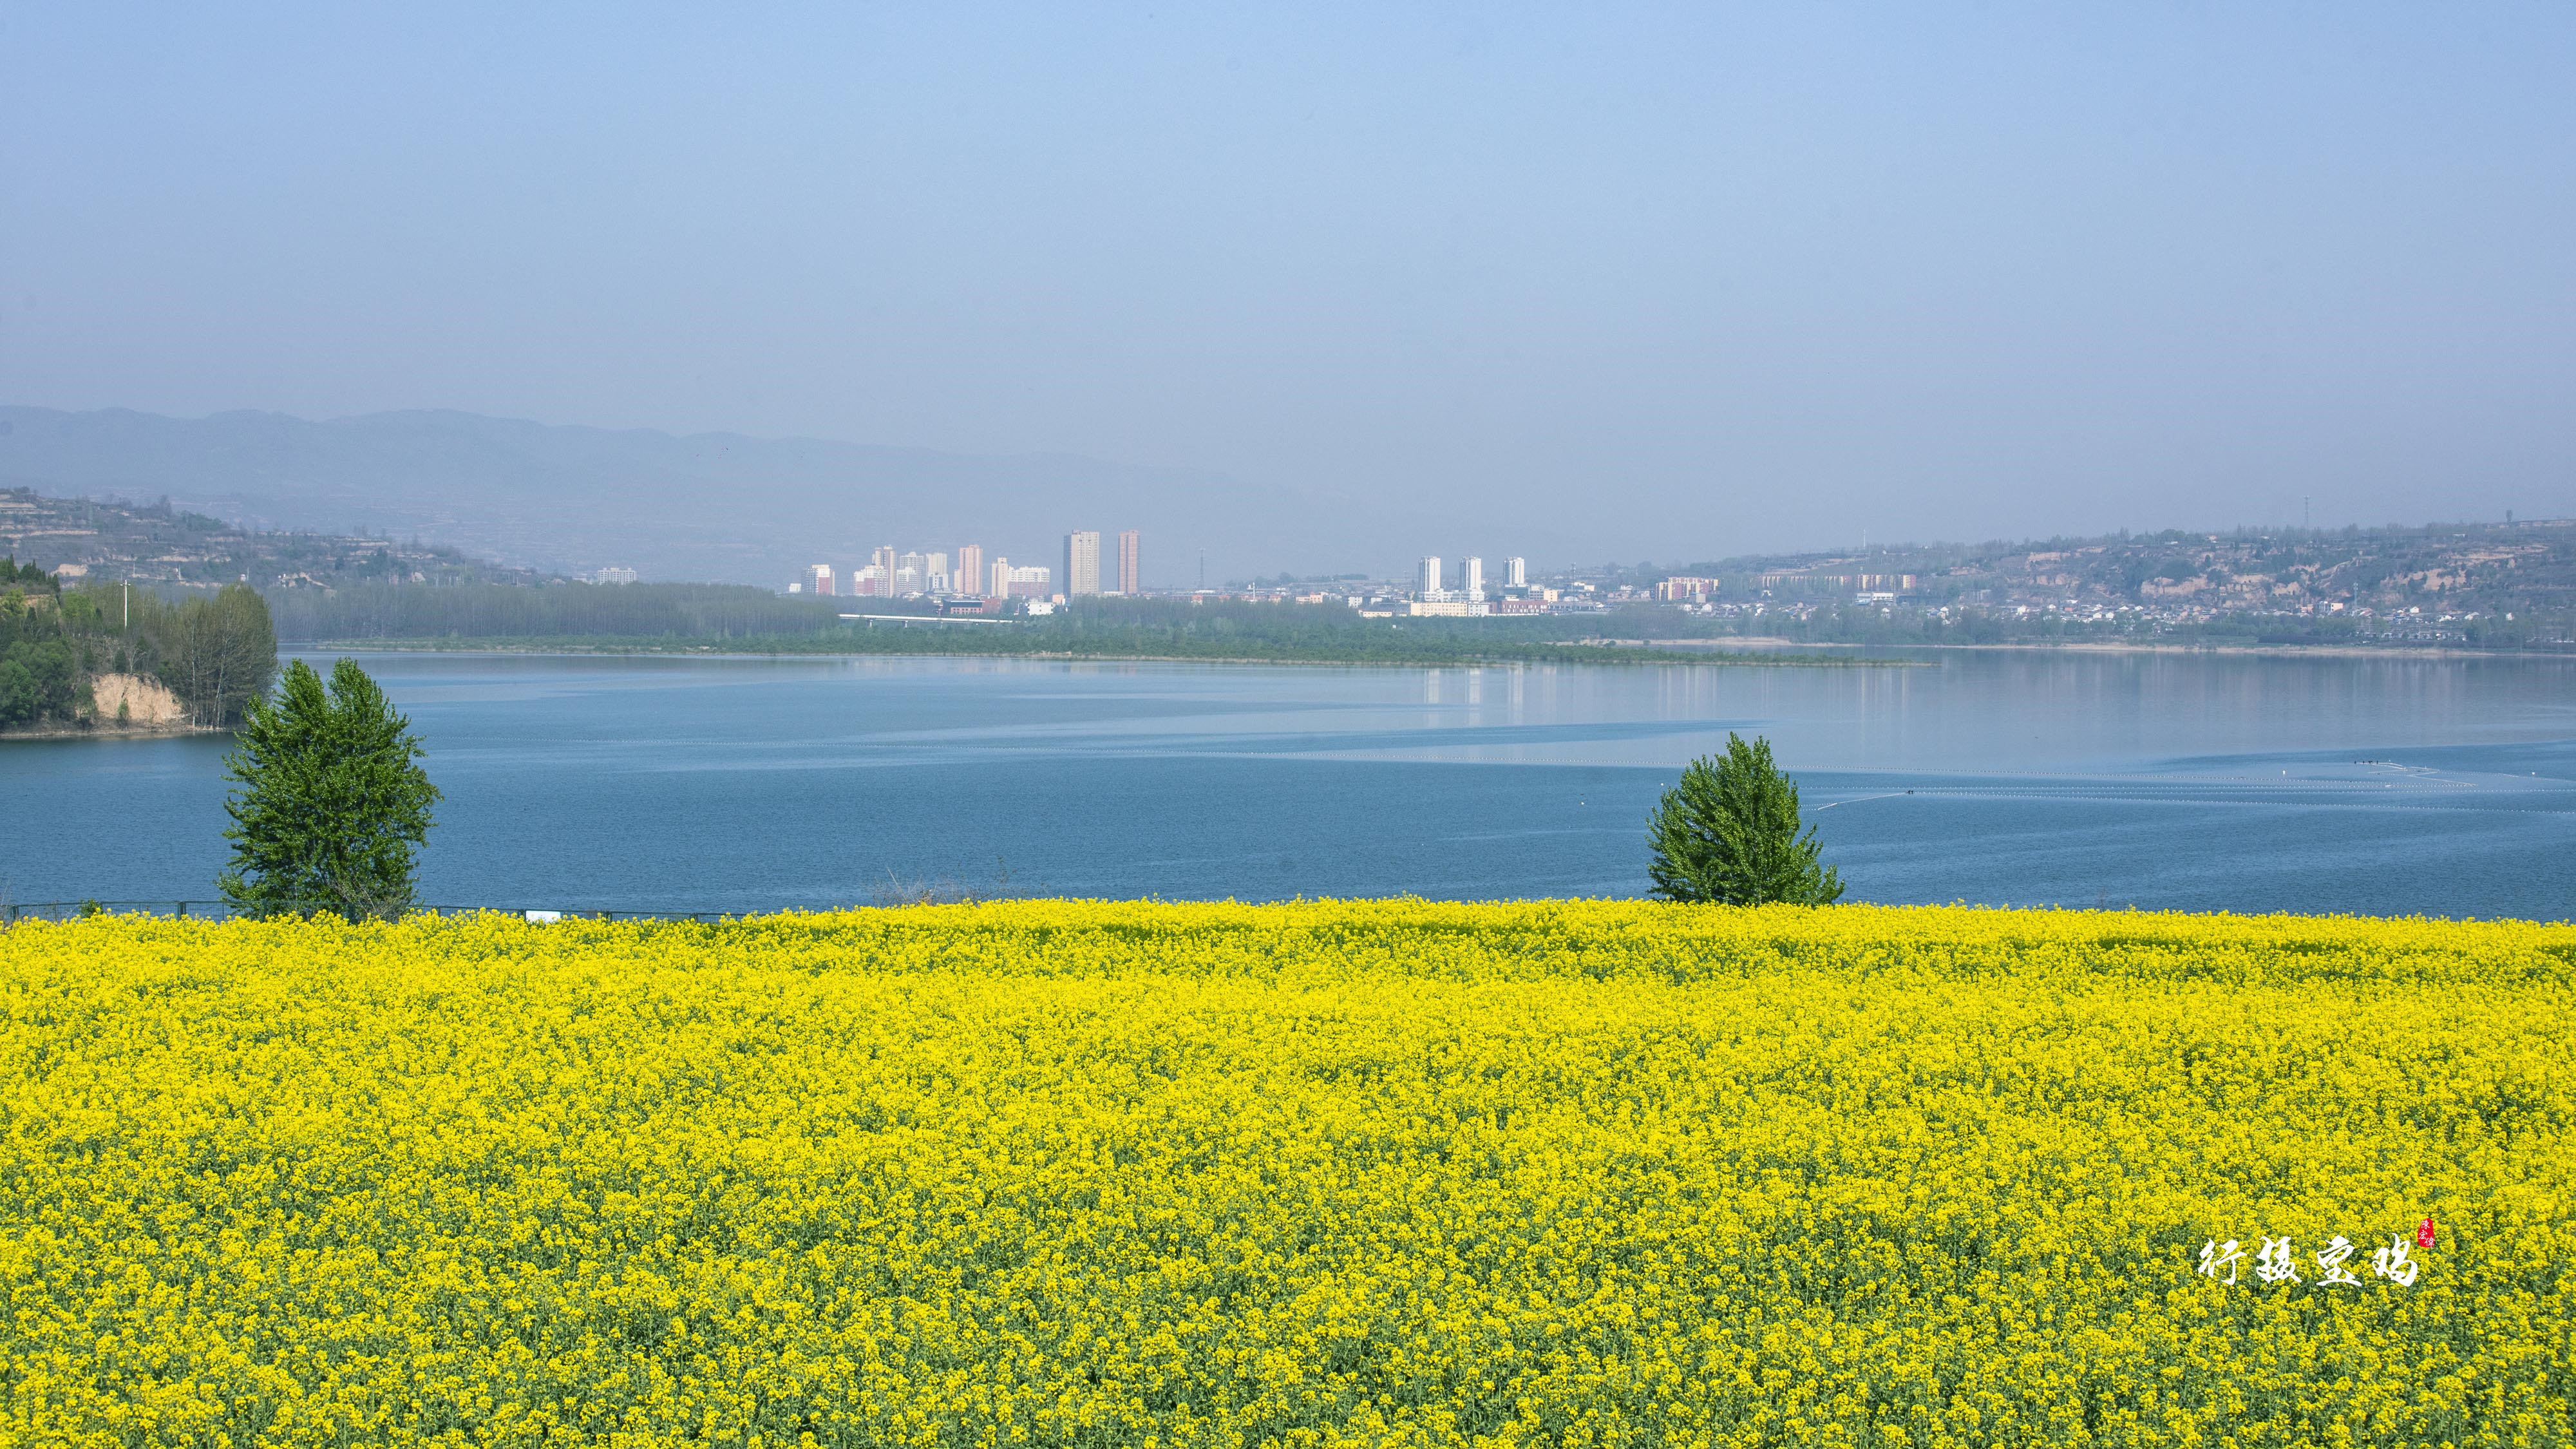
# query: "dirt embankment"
{"points": [[131, 701], [123, 704]]}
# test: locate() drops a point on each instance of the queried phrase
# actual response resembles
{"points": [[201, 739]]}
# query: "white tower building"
{"points": [[1426, 579], [1516, 573], [1471, 580], [1081, 563]]}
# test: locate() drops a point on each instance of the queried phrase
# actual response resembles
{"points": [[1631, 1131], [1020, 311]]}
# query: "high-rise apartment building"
{"points": [[877, 578], [1029, 583], [1001, 588], [934, 574], [908, 581], [1471, 579], [1516, 573], [1131, 580], [969, 576], [823, 578], [1426, 578], [1081, 564]]}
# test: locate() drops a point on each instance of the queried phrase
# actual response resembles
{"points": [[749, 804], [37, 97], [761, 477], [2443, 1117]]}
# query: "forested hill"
{"points": [[97, 540], [2456, 568]]}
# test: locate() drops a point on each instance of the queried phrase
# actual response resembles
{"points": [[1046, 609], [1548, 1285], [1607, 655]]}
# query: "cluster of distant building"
{"points": [[1439, 587], [1435, 590], [1863, 588], [968, 575], [1471, 599]]}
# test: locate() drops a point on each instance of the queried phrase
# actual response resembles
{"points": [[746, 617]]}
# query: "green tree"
{"points": [[1729, 833], [40, 681], [21, 698], [332, 805]]}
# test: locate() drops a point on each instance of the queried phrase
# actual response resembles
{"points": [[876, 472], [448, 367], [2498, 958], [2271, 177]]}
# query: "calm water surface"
{"points": [[2382, 786]]}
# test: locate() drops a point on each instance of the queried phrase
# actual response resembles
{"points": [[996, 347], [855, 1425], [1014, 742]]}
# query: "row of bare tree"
{"points": [[217, 654]]}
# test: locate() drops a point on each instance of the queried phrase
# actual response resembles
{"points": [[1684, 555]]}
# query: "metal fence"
{"points": [[13, 912]]}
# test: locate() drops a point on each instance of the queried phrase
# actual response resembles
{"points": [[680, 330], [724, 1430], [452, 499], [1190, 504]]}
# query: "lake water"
{"points": [[2370, 785]]}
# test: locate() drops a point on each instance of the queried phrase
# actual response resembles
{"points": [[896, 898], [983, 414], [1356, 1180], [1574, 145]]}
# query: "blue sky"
{"points": [[1661, 282]]}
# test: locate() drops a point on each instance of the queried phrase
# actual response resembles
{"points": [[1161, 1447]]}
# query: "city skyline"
{"points": [[914, 573], [1076, 574]]}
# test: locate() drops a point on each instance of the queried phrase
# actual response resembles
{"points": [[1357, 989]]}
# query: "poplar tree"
{"points": [[1728, 833], [216, 654], [332, 805]]}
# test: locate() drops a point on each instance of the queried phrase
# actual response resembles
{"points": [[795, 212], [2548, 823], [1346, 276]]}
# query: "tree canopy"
{"points": [[1728, 833], [333, 805]]}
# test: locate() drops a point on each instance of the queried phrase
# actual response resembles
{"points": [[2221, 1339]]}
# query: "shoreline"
{"points": [[2111, 646], [1589, 654], [111, 732], [2277, 651], [1750, 650]]}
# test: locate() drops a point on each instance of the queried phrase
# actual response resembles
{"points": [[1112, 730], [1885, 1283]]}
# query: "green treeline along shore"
{"points": [[109, 658], [678, 618]]}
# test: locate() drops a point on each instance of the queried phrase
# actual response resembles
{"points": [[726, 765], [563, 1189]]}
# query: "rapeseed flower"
{"points": [[1328, 1173]]}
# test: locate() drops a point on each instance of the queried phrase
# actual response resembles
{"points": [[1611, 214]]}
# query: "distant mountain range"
{"points": [[711, 506]]}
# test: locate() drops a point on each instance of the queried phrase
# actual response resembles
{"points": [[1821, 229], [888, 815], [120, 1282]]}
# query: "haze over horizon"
{"points": [[1652, 283], [729, 507]]}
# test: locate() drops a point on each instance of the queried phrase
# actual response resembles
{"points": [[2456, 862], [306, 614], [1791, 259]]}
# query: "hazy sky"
{"points": [[1658, 282]]}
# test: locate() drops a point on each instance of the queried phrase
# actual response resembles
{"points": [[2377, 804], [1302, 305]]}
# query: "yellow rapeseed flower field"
{"points": [[1314, 1174]]}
